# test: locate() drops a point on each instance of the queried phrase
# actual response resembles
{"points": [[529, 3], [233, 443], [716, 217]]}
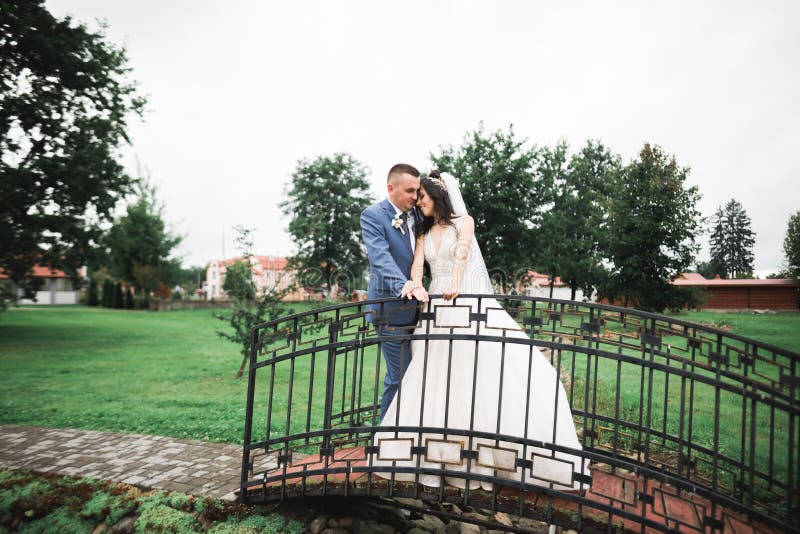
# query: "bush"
{"points": [[118, 301], [108, 288], [92, 296], [141, 303], [129, 304], [689, 298]]}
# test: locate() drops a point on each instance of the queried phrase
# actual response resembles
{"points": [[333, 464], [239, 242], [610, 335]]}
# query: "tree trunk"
{"points": [[241, 368]]}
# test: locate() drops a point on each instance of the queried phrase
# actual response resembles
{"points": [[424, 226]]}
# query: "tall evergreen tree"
{"points": [[118, 300], [791, 246], [92, 293], [732, 240], [325, 199], [108, 290]]}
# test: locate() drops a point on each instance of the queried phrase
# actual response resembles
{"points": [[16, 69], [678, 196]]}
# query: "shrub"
{"points": [[129, 304], [92, 296], [107, 291]]}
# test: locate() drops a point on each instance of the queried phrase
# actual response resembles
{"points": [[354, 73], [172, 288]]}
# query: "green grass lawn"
{"points": [[165, 373], [168, 373]]}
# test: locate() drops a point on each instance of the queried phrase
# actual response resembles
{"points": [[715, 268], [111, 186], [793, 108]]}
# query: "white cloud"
{"points": [[240, 91]]}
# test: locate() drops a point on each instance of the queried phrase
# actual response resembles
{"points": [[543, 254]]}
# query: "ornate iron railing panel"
{"points": [[685, 426]]}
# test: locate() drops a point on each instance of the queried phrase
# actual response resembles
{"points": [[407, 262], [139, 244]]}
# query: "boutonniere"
{"points": [[397, 222]]}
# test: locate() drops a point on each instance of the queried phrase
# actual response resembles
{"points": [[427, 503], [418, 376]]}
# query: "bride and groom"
{"points": [[478, 391]]}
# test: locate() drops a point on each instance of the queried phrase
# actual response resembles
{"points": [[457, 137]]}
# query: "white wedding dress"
{"points": [[532, 404]]}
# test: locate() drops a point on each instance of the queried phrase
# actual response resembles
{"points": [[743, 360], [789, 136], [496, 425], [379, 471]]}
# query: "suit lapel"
{"points": [[387, 206]]}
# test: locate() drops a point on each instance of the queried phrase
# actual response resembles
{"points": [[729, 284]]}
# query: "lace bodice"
{"points": [[441, 261]]}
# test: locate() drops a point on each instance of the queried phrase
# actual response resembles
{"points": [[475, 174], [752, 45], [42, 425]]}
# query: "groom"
{"points": [[388, 231]]}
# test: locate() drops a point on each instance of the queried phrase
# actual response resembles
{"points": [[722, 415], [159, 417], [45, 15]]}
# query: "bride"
{"points": [[467, 386]]}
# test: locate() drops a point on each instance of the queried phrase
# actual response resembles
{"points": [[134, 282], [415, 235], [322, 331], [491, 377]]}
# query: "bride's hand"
{"points": [[420, 294], [408, 289], [450, 293]]}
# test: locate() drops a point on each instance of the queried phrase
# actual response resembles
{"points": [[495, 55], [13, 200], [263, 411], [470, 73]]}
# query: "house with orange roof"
{"points": [[57, 286], [268, 272], [539, 286]]}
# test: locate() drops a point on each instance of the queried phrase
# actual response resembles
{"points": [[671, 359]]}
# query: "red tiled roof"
{"points": [[268, 263], [699, 281], [691, 276], [41, 271], [544, 280], [273, 263]]}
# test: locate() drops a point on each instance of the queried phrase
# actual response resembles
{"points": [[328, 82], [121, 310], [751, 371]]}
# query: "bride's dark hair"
{"points": [[442, 209]]}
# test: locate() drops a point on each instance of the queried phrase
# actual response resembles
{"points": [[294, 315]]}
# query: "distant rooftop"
{"points": [[697, 280], [269, 263], [540, 279], [40, 271]]}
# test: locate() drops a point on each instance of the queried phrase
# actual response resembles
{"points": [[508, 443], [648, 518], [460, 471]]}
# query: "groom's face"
{"points": [[403, 191]]}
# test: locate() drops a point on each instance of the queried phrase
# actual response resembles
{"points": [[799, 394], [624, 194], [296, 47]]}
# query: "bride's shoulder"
{"points": [[464, 222], [461, 219]]}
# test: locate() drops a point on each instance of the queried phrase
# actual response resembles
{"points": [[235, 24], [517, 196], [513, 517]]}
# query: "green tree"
{"points": [[139, 245], [791, 246], [249, 305], [652, 232], [190, 278], [732, 240], [65, 102], [325, 198], [503, 193], [551, 248], [708, 269], [572, 229]]}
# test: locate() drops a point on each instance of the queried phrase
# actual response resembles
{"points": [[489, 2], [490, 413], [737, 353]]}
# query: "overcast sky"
{"points": [[240, 90]]}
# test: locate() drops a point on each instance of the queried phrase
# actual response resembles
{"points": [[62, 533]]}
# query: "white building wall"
{"points": [[214, 278], [54, 293], [562, 293], [66, 297]]}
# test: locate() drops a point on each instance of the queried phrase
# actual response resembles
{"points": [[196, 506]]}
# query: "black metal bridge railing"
{"points": [[680, 425]]}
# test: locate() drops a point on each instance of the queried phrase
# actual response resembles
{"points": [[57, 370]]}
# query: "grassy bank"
{"points": [[164, 373], [168, 373]]}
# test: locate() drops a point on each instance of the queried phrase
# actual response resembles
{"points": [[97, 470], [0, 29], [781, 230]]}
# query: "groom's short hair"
{"points": [[401, 169]]}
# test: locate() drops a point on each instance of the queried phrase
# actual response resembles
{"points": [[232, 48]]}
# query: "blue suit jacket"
{"points": [[390, 258]]}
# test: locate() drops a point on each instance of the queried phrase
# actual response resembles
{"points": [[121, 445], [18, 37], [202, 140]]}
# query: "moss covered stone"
{"points": [[162, 518]]}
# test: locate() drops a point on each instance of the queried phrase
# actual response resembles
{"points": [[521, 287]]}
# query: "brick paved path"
{"points": [[213, 469], [187, 466]]}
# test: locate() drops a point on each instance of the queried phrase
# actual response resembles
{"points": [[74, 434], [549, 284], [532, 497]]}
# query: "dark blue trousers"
{"points": [[397, 355]]}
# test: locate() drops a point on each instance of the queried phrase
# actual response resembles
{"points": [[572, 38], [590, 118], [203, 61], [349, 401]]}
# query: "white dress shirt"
{"points": [[410, 222]]}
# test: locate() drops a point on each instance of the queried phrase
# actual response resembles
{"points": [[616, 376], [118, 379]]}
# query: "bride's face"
{"points": [[425, 203]]}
